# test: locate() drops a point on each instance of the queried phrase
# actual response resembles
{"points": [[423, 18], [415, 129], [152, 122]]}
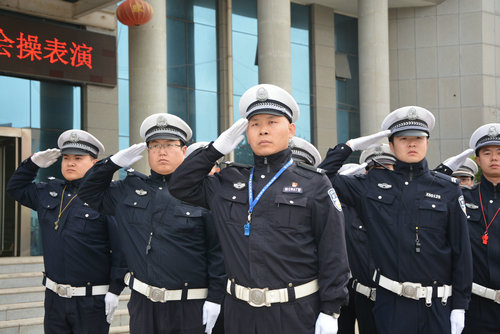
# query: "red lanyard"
{"points": [[487, 225]]}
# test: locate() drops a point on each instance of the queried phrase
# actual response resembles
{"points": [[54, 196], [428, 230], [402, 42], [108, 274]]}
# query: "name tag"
{"points": [[295, 190], [434, 196]]}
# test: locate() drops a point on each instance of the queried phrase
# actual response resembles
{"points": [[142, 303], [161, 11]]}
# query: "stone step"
{"points": [[35, 325], [21, 311], [19, 280], [21, 264], [22, 295]]}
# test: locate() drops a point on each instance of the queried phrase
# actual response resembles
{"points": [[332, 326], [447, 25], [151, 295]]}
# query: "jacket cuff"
{"points": [[330, 308]]}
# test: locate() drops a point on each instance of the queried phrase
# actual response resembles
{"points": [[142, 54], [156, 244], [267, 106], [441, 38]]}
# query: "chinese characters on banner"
{"points": [[34, 47]]}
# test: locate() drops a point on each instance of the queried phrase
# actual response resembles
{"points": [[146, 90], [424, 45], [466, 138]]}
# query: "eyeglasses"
{"points": [[157, 147]]}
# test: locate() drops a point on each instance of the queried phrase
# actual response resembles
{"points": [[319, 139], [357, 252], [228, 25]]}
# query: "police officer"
{"points": [[176, 266], [280, 223], [416, 229], [84, 266], [466, 173], [483, 205], [362, 289], [303, 152]]}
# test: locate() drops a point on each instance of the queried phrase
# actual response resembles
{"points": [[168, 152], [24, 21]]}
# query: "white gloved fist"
{"points": [[111, 301], [210, 314], [229, 139], [326, 324], [360, 169], [129, 156], [457, 319], [362, 143], [44, 159], [458, 160]]}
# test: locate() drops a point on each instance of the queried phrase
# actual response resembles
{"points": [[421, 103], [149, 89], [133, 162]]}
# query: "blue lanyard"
{"points": [[254, 202]]}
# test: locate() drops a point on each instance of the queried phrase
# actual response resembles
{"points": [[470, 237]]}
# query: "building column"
{"points": [[147, 73], [373, 50], [274, 50]]}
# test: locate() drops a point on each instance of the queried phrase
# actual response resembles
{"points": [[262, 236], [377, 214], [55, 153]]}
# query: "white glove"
{"points": [[458, 160], [210, 314], [326, 324], [129, 156], [362, 143], [229, 139], [360, 169], [111, 301], [44, 159], [457, 319]]}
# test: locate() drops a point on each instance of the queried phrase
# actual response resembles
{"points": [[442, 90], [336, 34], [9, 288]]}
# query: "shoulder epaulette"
{"points": [[446, 177], [133, 172], [236, 164], [311, 168]]}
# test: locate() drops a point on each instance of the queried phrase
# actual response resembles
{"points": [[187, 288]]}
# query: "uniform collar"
{"points": [[488, 186], [411, 168], [73, 184], [159, 178], [274, 161]]}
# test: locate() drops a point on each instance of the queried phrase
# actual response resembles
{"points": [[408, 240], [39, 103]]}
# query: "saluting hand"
{"points": [[229, 139], [362, 143], [129, 156], [458, 160], [326, 324], [210, 314], [44, 159]]}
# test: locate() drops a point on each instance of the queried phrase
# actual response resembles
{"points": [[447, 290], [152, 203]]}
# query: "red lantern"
{"points": [[134, 12]]}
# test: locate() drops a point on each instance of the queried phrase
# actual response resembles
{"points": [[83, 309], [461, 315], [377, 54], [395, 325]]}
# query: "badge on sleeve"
{"points": [[461, 201], [335, 199]]}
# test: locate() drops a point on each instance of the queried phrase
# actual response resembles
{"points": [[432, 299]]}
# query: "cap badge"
{"points": [[161, 121], [412, 114], [141, 192], [262, 94], [492, 131], [53, 194], [384, 185], [73, 137], [239, 185], [378, 150]]}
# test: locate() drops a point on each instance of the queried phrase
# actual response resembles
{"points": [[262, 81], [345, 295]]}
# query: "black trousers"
{"points": [[297, 317], [364, 314], [482, 317], [175, 317], [400, 315], [77, 315], [347, 319]]}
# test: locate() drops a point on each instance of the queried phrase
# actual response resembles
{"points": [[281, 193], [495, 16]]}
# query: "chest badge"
{"points": [[433, 196], [239, 185], [472, 206], [53, 194], [141, 192], [384, 185]]}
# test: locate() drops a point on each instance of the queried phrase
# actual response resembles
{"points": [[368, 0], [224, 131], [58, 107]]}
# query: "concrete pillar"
{"points": [[373, 49], [274, 50], [147, 73]]}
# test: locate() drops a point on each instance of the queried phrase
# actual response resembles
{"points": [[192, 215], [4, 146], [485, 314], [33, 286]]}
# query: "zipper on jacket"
{"points": [[265, 163], [148, 247]]}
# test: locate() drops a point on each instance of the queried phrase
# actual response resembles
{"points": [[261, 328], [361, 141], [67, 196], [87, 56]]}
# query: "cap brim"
{"points": [[167, 136], [455, 174], [75, 151], [269, 112], [411, 133]]}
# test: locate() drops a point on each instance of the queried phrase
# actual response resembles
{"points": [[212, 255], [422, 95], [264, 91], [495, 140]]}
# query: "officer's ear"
{"points": [[184, 148], [291, 130], [391, 146]]}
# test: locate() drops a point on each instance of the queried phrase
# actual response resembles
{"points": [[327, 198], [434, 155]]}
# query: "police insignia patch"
{"points": [[239, 185], [384, 185], [51, 178], [461, 201], [141, 192], [335, 199], [53, 194]]}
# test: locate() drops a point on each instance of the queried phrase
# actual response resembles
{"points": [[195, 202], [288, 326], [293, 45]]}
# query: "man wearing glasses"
{"points": [[176, 271]]}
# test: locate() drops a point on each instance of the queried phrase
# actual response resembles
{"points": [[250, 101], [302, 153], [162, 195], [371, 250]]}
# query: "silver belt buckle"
{"points": [[373, 294], [409, 290], [257, 297], [497, 296], [64, 290], [157, 294]]}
